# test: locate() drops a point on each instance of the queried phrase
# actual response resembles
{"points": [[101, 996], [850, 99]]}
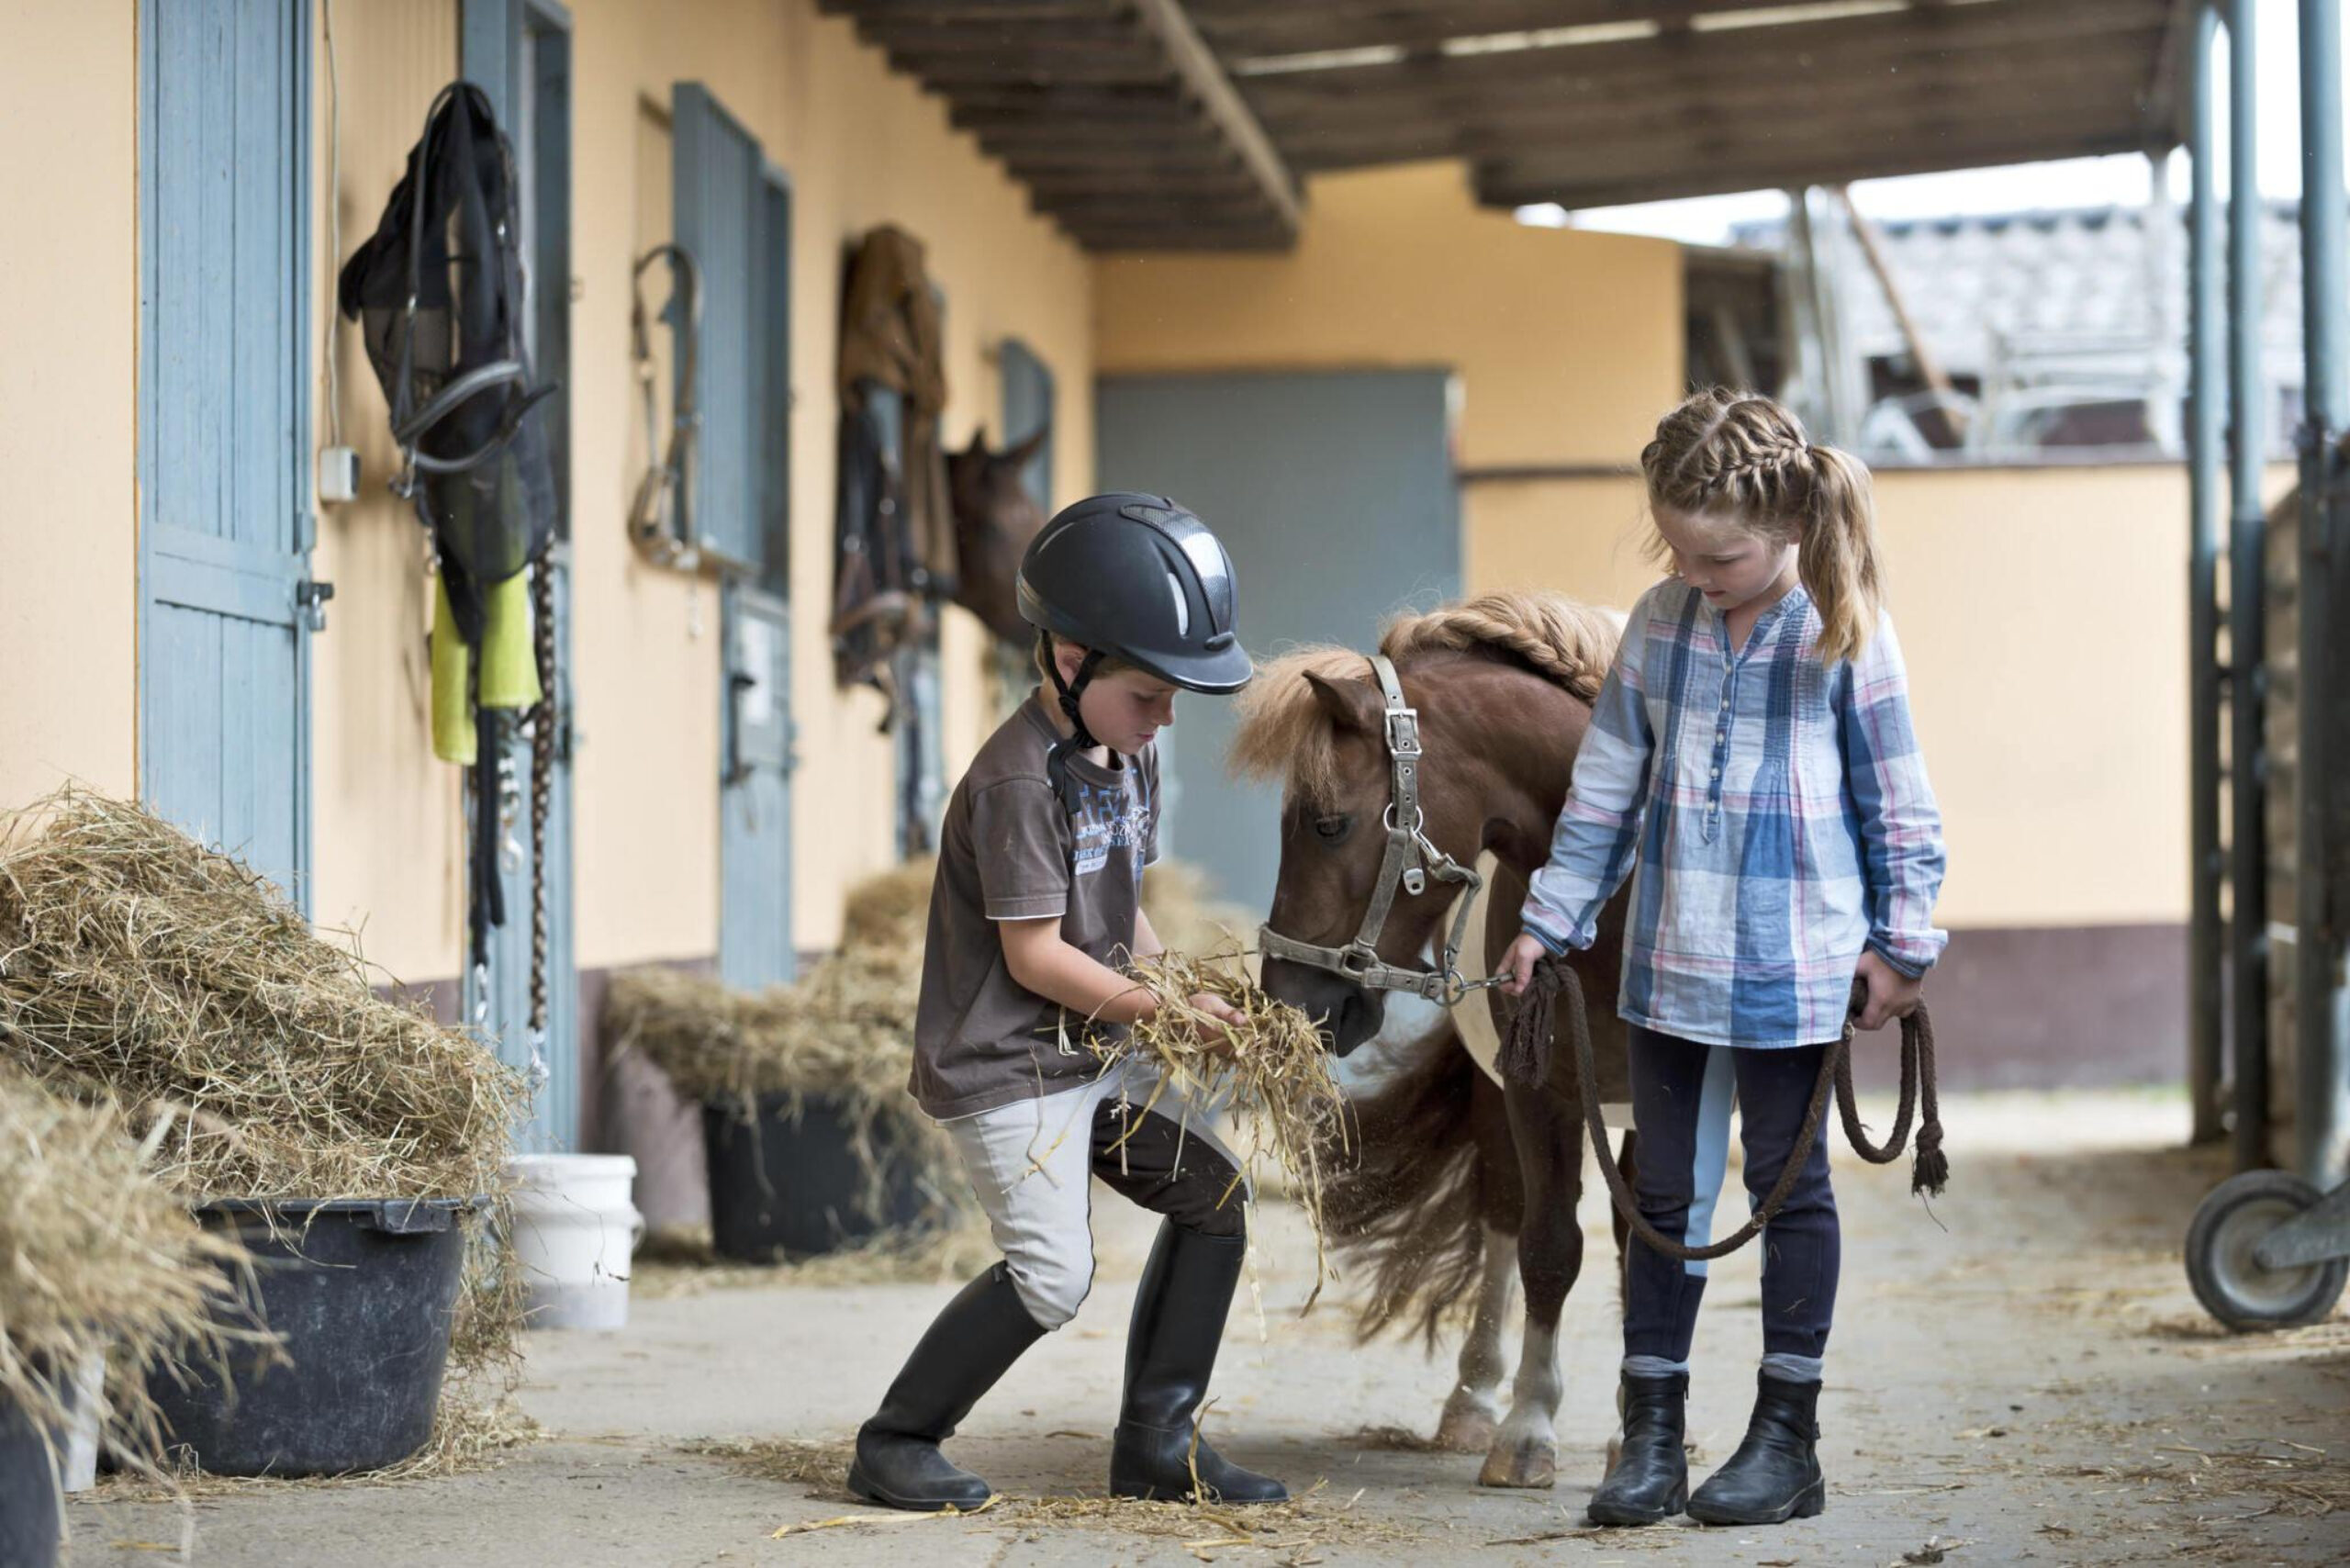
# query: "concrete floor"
{"points": [[2020, 1377]]}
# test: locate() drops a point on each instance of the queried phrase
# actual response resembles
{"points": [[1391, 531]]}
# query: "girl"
{"points": [[1751, 750]]}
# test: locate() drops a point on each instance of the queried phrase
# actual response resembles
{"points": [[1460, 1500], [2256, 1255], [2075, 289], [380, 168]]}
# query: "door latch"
{"points": [[310, 599]]}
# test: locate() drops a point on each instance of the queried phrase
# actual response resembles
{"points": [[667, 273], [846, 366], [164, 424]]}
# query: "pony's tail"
{"points": [[1413, 1212]]}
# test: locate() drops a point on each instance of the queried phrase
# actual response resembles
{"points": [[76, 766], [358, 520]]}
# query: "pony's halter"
{"points": [[1411, 861]]}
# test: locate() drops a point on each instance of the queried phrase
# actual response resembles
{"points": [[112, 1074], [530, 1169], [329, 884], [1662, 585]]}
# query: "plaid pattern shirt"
{"points": [[1773, 811]]}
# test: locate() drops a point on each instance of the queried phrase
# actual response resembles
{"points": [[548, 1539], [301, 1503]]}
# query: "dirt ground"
{"points": [[2019, 1376]]}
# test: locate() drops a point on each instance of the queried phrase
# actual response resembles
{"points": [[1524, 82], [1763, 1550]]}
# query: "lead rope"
{"points": [[1526, 1059]]}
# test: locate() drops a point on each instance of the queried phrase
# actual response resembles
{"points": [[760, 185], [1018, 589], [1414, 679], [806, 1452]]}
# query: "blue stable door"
{"points": [[226, 601]]}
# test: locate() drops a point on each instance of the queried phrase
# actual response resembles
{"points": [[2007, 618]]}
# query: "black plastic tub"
{"points": [[359, 1295], [786, 1186], [30, 1523]]}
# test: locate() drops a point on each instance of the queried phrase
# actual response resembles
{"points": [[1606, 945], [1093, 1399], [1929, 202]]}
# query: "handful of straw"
{"points": [[1269, 1072]]}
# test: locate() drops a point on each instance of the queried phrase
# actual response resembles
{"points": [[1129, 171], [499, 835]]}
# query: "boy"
{"points": [[1037, 898]]}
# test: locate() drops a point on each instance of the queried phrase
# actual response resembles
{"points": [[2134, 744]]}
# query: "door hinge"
{"points": [[310, 599]]}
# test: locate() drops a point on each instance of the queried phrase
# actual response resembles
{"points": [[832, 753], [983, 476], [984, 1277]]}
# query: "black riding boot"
{"points": [[1650, 1481], [1775, 1476], [1170, 1352], [971, 1344]]}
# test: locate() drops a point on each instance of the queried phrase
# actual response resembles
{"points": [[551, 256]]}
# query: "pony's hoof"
{"points": [[1467, 1427], [1530, 1463], [1615, 1453]]}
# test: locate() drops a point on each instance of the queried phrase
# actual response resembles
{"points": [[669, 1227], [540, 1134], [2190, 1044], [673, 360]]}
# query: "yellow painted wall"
{"points": [[862, 147], [69, 313], [1564, 339], [2043, 615]]}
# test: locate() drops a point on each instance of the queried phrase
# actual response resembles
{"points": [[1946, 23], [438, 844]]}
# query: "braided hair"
{"points": [[1744, 458]]}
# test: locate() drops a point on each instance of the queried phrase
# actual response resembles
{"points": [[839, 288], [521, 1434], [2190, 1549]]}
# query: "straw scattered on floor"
{"points": [[1269, 1076], [1317, 1519]]}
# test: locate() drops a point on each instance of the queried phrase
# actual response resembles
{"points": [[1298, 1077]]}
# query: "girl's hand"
{"points": [[1517, 964], [1891, 993]]}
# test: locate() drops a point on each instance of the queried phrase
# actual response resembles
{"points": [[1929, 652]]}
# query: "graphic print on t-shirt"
{"points": [[1108, 817]]}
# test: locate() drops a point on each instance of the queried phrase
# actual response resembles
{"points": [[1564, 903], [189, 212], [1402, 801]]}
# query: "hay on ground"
{"points": [[97, 1259], [1269, 1075], [257, 1058], [1315, 1520]]}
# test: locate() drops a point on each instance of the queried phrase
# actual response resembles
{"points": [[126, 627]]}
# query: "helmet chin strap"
{"points": [[1079, 738]]}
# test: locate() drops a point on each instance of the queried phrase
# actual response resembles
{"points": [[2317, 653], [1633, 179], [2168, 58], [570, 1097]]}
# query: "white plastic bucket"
{"points": [[574, 1230], [78, 1455]]}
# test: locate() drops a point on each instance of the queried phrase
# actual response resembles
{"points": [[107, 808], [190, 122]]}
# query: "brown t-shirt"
{"points": [[1010, 850]]}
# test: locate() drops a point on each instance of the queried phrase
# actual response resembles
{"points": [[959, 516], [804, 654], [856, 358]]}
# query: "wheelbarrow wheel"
{"points": [[2230, 1283]]}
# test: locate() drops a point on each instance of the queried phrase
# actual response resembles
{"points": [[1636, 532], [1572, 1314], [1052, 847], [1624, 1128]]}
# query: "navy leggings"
{"points": [[1681, 1103]]}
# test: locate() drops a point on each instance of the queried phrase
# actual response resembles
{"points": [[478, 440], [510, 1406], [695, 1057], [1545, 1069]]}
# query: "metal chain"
{"points": [[542, 743]]}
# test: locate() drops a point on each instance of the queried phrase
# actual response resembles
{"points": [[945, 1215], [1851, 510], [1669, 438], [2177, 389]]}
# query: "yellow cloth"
{"points": [[509, 665], [510, 669]]}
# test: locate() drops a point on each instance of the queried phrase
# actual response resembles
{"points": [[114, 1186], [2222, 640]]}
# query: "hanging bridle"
{"points": [[1412, 860]]}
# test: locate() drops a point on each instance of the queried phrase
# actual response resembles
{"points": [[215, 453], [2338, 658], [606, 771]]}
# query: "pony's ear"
{"points": [[1351, 704], [1020, 456]]}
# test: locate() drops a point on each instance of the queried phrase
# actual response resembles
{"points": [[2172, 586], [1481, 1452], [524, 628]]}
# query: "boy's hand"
{"points": [[1517, 964], [1215, 1040], [1891, 993]]}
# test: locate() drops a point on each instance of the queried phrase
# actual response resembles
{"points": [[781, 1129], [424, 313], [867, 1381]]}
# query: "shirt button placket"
{"points": [[1721, 750]]}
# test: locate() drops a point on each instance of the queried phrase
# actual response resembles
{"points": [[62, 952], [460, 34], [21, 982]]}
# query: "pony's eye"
{"points": [[1331, 829]]}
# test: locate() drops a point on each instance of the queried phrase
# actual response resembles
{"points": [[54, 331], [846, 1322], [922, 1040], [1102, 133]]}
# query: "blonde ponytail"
{"points": [[1837, 555]]}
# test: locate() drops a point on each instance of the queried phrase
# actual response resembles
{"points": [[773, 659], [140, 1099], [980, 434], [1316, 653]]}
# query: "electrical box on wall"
{"points": [[338, 474]]}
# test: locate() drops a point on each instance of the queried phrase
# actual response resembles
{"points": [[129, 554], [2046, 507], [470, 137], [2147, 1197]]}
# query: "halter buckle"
{"points": [[1403, 732]]}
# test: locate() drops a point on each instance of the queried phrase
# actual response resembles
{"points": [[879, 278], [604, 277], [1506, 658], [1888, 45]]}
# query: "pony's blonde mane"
{"points": [[1283, 734]]}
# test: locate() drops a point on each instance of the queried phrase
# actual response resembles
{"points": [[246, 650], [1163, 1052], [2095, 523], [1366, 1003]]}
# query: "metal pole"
{"points": [[2207, 394], [2322, 1098], [2247, 539]]}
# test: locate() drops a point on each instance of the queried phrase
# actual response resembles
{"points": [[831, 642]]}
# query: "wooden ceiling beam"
{"points": [[1493, 132], [948, 73], [1155, 119], [1510, 185], [922, 41], [1203, 74], [2002, 26], [1252, 29], [1077, 157], [1924, 126], [1749, 84], [1054, 11], [1038, 84]]}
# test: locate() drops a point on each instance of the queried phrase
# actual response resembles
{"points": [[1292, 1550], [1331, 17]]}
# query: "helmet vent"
{"points": [[1182, 609]]}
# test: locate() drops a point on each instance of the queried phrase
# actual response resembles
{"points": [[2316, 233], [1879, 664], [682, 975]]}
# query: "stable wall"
{"points": [[69, 313], [862, 147]]}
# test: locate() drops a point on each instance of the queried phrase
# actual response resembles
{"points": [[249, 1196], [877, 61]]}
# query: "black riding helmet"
{"points": [[1140, 579]]}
